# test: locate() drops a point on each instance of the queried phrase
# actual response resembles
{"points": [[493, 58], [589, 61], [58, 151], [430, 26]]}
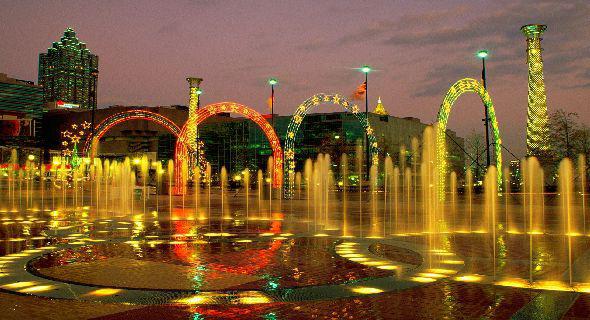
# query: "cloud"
{"points": [[441, 78], [496, 31]]}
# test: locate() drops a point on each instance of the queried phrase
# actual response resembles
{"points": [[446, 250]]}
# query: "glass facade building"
{"points": [[238, 143], [68, 72], [21, 112]]}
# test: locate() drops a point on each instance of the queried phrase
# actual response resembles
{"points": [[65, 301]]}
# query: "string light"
{"points": [[537, 130], [455, 91], [71, 138], [115, 119], [298, 117], [202, 114]]}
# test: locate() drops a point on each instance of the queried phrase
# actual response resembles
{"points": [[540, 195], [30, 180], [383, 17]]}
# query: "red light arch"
{"points": [[105, 125], [181, 153]]}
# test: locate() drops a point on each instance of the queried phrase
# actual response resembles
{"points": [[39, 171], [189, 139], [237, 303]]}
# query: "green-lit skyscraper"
{"points": [[68, 72]]}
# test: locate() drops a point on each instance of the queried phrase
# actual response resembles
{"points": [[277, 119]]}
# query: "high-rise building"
{"points": [[68, 73], [21, 112]]}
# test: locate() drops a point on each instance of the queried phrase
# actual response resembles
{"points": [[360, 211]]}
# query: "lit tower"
{"points": [[380, 109], [193, 105], [537, 131]]}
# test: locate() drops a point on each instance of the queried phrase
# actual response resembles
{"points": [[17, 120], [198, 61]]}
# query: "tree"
{"points": [[568, 138], [563, 129], [581, 142], [476, 148]]}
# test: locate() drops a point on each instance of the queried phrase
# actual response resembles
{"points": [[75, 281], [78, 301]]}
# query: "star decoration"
{"points": [[289, 154], [355, 109], [315, 100]]}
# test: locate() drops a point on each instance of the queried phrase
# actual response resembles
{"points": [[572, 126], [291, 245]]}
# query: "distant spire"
{"points": [[69, 32], [380, 109]]}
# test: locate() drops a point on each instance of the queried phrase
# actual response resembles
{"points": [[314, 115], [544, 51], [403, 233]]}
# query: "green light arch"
{"points": [[299, 115], [455, 91]]}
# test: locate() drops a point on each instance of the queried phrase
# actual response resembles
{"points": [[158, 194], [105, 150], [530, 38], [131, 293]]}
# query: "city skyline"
{"points": [[418, 51], [337, 159]]}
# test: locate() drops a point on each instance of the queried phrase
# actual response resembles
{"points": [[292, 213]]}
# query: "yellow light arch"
{"points": [[455, 91]]}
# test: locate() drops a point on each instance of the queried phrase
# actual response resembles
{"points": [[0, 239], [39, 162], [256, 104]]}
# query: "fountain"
{"points": [[518, 236]]}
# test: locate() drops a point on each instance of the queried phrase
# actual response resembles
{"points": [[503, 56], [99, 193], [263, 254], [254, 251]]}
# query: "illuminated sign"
{"points": [[65, 105]]}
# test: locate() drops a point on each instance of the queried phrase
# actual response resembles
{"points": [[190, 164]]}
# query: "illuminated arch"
{"points": [[202, 114], [298, 117], [136, 114], [460, 87]]}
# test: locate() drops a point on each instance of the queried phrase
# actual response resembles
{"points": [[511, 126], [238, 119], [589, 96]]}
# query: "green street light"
{"points": [[366, 69], [199, 91], [272, 82], [482, 54]]}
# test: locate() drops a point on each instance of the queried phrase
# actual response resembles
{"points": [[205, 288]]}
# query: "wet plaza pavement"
{"points": [[76, 265]]}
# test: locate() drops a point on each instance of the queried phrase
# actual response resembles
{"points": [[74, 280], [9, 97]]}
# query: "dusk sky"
{"points": [[146, 50]]}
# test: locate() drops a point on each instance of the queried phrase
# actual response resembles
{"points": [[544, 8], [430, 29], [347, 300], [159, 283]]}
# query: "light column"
{"points": [[537, 130], [193, 105], [192, 152]]}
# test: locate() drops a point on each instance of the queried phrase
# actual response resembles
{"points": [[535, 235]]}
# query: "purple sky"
{"points": [[419, 48]]}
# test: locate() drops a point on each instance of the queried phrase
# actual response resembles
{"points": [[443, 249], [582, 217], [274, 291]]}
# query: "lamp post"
{"points": [[483, 54], [197, 144], [272, 82], [366, 69]]}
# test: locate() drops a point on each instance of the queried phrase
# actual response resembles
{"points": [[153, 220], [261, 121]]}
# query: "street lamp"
{"points": [[366, 69], [272, 82], [483, 54]]}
